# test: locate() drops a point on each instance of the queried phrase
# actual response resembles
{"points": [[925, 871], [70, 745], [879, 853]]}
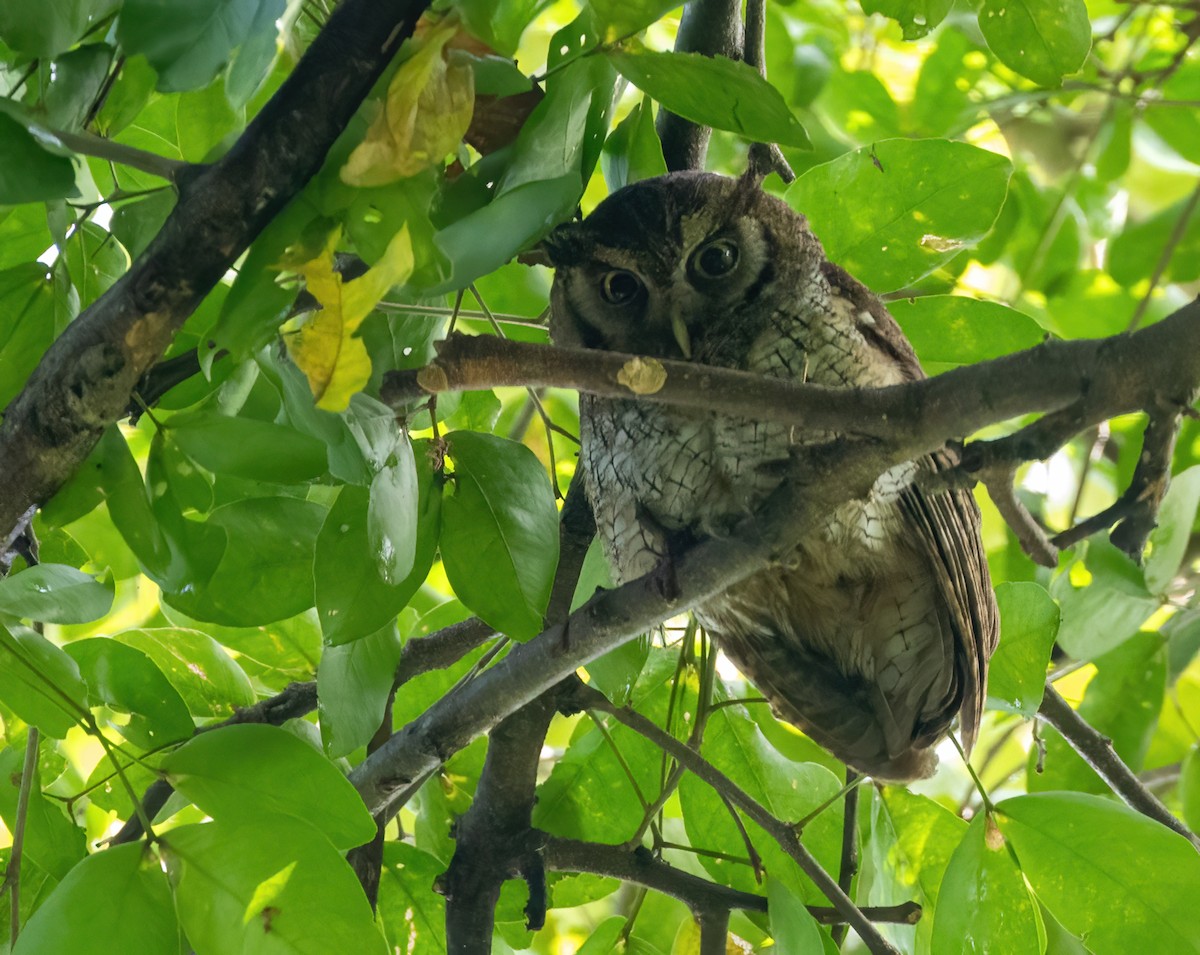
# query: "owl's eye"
{"points": [[619, 287], [715, 259]]}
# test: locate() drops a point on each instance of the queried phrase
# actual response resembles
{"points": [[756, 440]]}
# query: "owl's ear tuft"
{"points": [[565, 245], [758, 166]]}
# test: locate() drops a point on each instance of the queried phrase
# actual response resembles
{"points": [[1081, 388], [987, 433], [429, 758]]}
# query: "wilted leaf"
{"points": [[423, 117], [325, 347]]}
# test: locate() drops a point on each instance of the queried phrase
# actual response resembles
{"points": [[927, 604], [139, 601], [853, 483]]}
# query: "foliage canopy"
{"points": [[266, 515]]}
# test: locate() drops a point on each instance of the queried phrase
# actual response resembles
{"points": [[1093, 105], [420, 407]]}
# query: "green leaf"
{"points": [[950, 330], [603, 940], [913, 838], [95, 260], [24, 235], [136, 223], [713, 91], [1028, 624], [355, 681], [984, 904], [485, 239], [28, 171], [55, 593], [564, 134], [40, 683], [917, 17], [617, 19], [930, 199], [43, 32], [793, 928], [128, 505], [1136, 899], [413, 916], [633, 151], [52, 840], [127, 680], [266, 886], [1189, 788], [735, 745], [353, 599], [393, 515], [79, 916], [1122, 702], [500, 25], [244, 447], [590, 793], [499, 538], [1041, 39], [26, 321], [1170, 537], [204, 675], [265, 573], [1136, 250], [1108, 610], [189, 45], [252, 769]]}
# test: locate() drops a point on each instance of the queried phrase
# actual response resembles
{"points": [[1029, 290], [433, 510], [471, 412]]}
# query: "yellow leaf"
{"points": [[425, 114], [325, 347]]}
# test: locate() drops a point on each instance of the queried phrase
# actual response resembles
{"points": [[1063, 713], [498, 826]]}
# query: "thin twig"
{"points": [[777, 829], [1097, 751], [12, 877], [89, 144], [764, 157], [1164, 258], [848, 868], [999, 482]]}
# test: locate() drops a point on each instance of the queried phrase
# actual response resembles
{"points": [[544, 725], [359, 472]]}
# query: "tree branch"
{"points": [[1097, 751], [779, 830], [84, 380], [494, 838], [713, 28]]}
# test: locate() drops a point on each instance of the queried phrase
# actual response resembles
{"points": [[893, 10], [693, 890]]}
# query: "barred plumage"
{"points": [[877, 631]]}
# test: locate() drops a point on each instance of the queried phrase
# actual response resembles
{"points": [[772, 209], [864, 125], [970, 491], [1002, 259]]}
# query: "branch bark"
{"points": [[84, 380], [1082, 381]]}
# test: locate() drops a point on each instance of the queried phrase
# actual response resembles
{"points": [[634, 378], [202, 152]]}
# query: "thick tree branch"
{"points": [[713, 28], [494, 836], [1111, 375], [84, 380], [1097, 751], [494, 839], [641, 866], [1080, 382]]}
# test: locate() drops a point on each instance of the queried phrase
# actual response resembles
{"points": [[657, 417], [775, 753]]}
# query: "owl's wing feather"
{"points": [[947, 525]]}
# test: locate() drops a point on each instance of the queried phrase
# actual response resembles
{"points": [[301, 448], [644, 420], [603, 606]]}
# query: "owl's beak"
{"points": [[680, 331]]}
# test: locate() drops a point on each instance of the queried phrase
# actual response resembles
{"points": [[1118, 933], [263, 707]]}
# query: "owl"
{"points": [[875, 633]]}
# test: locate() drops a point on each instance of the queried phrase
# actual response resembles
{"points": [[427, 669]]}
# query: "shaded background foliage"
{"points": [[1001, 171]]}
